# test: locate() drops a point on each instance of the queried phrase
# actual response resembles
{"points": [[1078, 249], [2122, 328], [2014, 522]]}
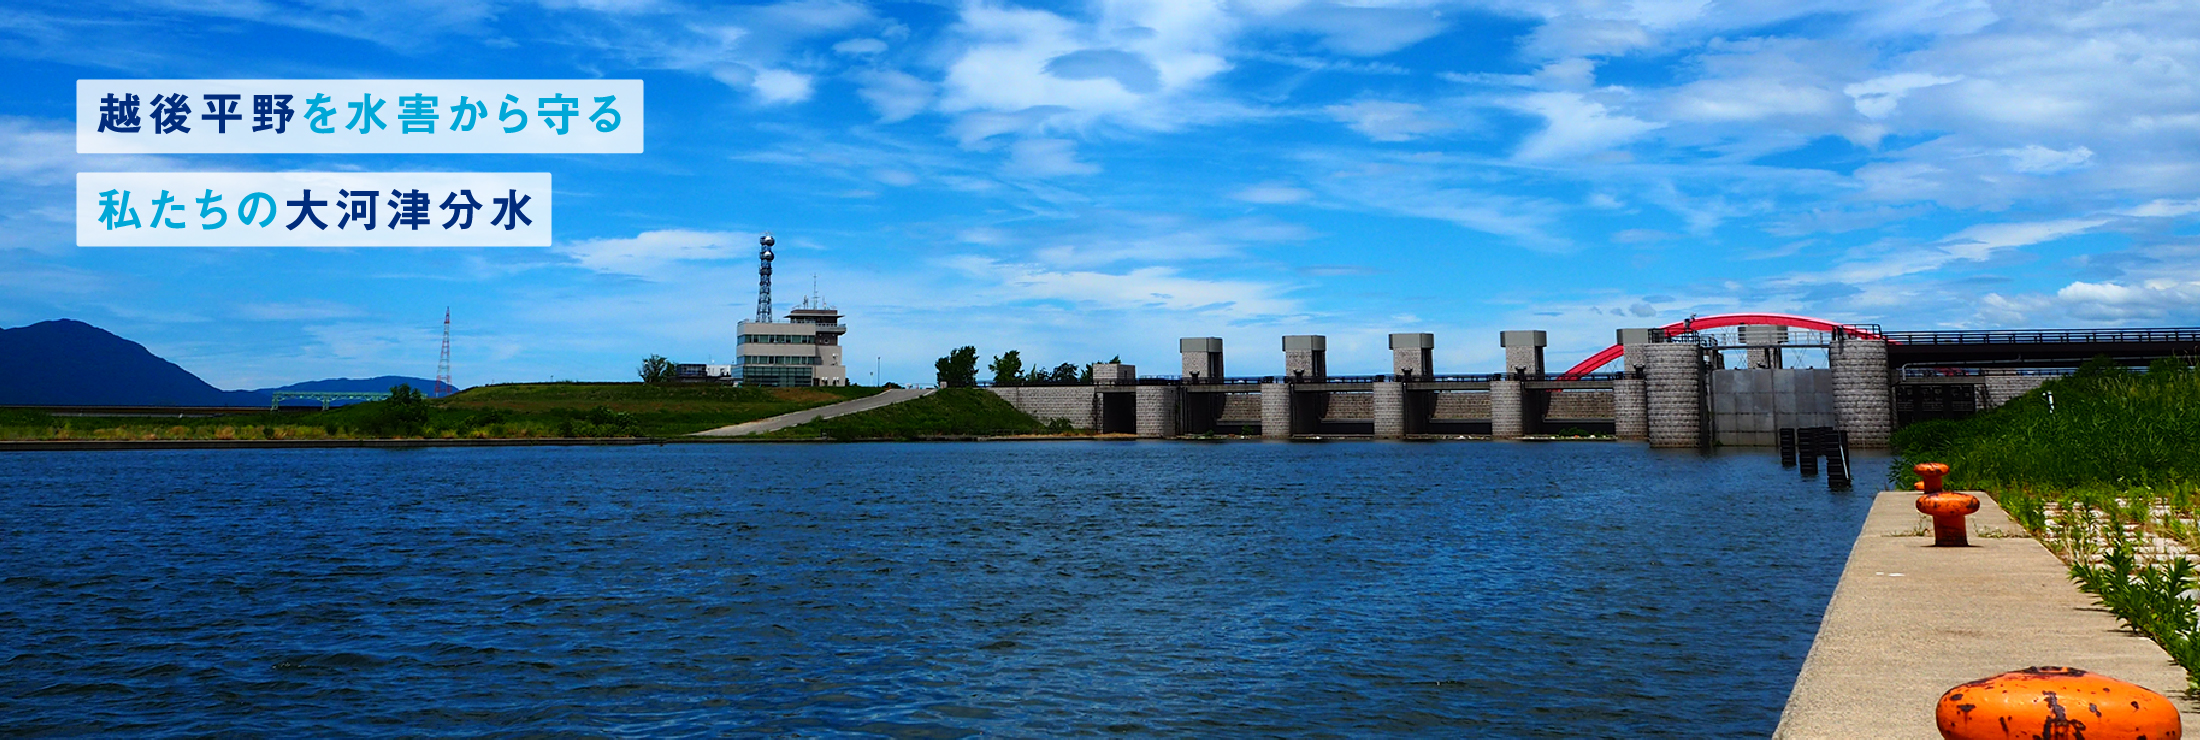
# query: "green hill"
{"points": [[507, 410], [949, 412]]}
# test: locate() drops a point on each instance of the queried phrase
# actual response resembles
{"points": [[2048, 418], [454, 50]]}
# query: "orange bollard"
{"points": [[1947, 508], [2055, 703]]}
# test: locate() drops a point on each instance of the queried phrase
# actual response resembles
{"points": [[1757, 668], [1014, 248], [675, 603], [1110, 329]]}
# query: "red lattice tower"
{"points": [[443, 365]]}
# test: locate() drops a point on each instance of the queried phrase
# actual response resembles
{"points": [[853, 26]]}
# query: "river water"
{"points": [[914, 590]]}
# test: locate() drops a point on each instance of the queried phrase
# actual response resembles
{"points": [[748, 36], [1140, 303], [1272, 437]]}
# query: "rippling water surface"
{"points": [[913, 590]]}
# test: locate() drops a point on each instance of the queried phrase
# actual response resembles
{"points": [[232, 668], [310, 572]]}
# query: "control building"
{"points": [[800, 352]]}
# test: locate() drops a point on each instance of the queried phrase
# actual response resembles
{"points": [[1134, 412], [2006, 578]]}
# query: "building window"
{"points": [[773, 360], [778, 339]]}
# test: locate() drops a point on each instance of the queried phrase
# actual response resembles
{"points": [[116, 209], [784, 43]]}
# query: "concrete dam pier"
{"points": [[1672, 386]]}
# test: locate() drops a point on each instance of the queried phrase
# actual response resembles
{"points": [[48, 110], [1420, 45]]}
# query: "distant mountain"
{"points": [[72, 363]]}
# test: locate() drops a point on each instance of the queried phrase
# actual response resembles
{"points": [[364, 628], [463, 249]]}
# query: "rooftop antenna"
{"points": [[764, 280]]}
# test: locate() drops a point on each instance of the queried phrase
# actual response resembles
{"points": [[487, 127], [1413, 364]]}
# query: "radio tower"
{"points": [[764, 281], [443, 365]]}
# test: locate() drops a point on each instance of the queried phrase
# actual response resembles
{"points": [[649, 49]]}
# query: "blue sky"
{"points": [[1083, 180]]}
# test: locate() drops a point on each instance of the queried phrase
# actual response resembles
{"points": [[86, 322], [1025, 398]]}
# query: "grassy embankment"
{"points": [[2102, 477], [949, 412], [517, 410]]}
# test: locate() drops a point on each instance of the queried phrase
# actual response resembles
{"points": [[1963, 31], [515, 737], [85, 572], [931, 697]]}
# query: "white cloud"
{"points": [[1273, 194], [43, 153], [895, 95], [1982, 241], [1015, 60], [1146, 288], [1576, 126], [1750, 99], [2164, 209], [779, 86], [859, 47], [1877, 97], [1386, 121], [309, 310], [1110, 238], [651, 254], [1047, 158], [1586, 37], [2040, 160], [1352, 29], [2113, 301], [1974, 244]]}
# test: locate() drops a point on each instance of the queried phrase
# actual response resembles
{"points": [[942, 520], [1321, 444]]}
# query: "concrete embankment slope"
{"points": [[1910, 621], [843, 408]]}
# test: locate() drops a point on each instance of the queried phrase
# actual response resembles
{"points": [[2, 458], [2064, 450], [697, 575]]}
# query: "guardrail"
{"points": [[277, 398], [2044, 336], [1955, 372], [1171, 380]]}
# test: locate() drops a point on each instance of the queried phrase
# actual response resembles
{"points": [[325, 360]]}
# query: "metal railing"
{"points": [[1172, 380], [277, 398], [1953, 372], [1034, 384], [2044, 336], [1456, 378]]}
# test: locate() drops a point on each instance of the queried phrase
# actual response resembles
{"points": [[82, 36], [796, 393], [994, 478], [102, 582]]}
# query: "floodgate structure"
{"points": [[1710, 380]]}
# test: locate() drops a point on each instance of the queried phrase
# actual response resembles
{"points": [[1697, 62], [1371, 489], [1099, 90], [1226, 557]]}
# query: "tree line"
{"points": [[959, 369]]}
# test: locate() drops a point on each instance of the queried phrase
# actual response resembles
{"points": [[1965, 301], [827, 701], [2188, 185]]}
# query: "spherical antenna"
{"points": [[767, 240]]}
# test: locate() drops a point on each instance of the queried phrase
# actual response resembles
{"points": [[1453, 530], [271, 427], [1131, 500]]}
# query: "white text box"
{"points": [[313, 209], [359, 116]]}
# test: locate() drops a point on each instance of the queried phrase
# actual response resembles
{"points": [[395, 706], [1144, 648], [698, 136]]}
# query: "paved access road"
{"points": [[843, 408], [1910, 621]]}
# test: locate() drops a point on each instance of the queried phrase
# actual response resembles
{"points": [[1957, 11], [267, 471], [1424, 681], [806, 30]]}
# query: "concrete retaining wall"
{"points": [[1580, 405], [1241, 408], [1077, 404], [1999, 389], [1469, 405], [1351, 406]]}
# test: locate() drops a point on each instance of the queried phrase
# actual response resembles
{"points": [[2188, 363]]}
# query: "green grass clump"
{"points": [[2125, 429], [656, 410], [948, 412]]}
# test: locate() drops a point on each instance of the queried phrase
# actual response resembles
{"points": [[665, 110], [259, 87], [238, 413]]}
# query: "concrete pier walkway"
{"points": [[1910, 621], [844, 408]]}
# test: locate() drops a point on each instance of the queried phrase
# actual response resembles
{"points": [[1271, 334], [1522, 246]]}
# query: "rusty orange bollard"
{"points": [[2055, 703], [1947, 508]]}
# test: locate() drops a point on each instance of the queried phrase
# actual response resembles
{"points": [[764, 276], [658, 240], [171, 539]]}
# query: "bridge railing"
{"points": [[1623, 375], [1956, 372], [2044, 336], [1034, 384], [276, 399]]}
